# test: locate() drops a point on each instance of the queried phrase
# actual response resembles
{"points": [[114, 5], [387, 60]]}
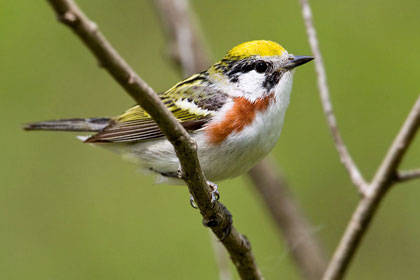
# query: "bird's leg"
{"points": [[214, 191], [181, 176], [214, 194], [213, 221]]}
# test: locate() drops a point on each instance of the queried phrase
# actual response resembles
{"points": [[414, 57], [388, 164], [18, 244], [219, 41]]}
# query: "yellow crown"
{"points": [[257, 47]]}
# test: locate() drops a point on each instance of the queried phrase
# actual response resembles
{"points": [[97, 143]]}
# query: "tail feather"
{"points": [[81, 125]]}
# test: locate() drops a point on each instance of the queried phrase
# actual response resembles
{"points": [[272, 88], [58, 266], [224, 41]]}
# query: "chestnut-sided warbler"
{"points": [[234, 110]]}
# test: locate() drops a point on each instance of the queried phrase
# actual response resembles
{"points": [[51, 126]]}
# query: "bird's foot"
{"points": [[192, 202], [214, 191], [214, 194]]}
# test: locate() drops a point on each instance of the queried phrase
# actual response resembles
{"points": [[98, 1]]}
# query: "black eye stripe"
{"points": [[242, 68], [247, 66]]}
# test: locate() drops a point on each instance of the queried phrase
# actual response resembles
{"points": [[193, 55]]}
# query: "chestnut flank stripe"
{"points": [[240, 115]]}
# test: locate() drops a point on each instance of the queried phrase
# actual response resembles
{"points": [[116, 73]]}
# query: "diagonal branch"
{"points": [[345, 157], [178, 20], [300, 238], [385, 176], [215, 215], [367, 207], [388, 169], [186, 47]]}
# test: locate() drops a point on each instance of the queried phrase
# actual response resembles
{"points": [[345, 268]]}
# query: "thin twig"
{"points": [[300, 239], [215, 215], [367, 207], [222, 259], [345, 156], [386, 175], [177, 18], [388, 168], [186, 46], [407, 175]]}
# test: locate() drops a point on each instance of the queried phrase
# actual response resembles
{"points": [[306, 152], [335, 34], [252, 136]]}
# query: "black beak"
{"points": [[297, 60]]}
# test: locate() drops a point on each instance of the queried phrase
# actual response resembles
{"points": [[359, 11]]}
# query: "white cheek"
{"points": [[251, 84]]}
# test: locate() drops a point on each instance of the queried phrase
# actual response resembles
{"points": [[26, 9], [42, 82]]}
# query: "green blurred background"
{"points": [[72, 211]]}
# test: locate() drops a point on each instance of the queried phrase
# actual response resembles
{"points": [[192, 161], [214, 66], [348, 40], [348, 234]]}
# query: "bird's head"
{"points": [[255, 69]]}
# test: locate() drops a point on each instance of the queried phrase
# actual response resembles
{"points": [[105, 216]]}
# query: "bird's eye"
{"points": [[261, 66]]}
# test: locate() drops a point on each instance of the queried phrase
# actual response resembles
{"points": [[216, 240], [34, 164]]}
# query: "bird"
{"points": [[234, 111]]}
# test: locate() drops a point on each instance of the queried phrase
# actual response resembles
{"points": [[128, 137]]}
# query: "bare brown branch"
{"points": [[367, 207], [387, 174], [298, 234], [345, 156], [186, 45], [222, 259], [407, 175], [215, 215], [388, 169]]}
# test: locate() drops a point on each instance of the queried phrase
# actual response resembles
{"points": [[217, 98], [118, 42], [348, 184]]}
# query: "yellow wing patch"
{"points": [[182, 109], [257, 47], [134, 113], [136, 125]]}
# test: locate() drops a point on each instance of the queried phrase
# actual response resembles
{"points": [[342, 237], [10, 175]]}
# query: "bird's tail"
{"points": [[81, 125]]}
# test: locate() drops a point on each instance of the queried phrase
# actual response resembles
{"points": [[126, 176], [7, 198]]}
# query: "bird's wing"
{"points": [[192, 101]]}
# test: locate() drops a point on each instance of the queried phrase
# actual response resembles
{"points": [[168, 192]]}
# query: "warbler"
{"points": [[234, 110]]}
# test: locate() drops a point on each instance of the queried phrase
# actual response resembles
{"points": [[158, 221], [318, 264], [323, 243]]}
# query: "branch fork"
{"points": [[387, 174]]}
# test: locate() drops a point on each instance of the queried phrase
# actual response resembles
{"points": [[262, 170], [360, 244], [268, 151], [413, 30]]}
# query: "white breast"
{"points": [[242, 150]]}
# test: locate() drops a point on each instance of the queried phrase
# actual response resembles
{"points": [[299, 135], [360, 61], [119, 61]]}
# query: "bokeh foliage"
{"points": [[72, 211]]}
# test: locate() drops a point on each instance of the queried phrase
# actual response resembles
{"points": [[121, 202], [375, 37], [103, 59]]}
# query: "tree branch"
{"points": [[300, 239], [388, 168], [407, 175], [177, 19], [222, 259], [387, 174], [345, 157], [215, 215], [367, 207], [186, 47]]}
